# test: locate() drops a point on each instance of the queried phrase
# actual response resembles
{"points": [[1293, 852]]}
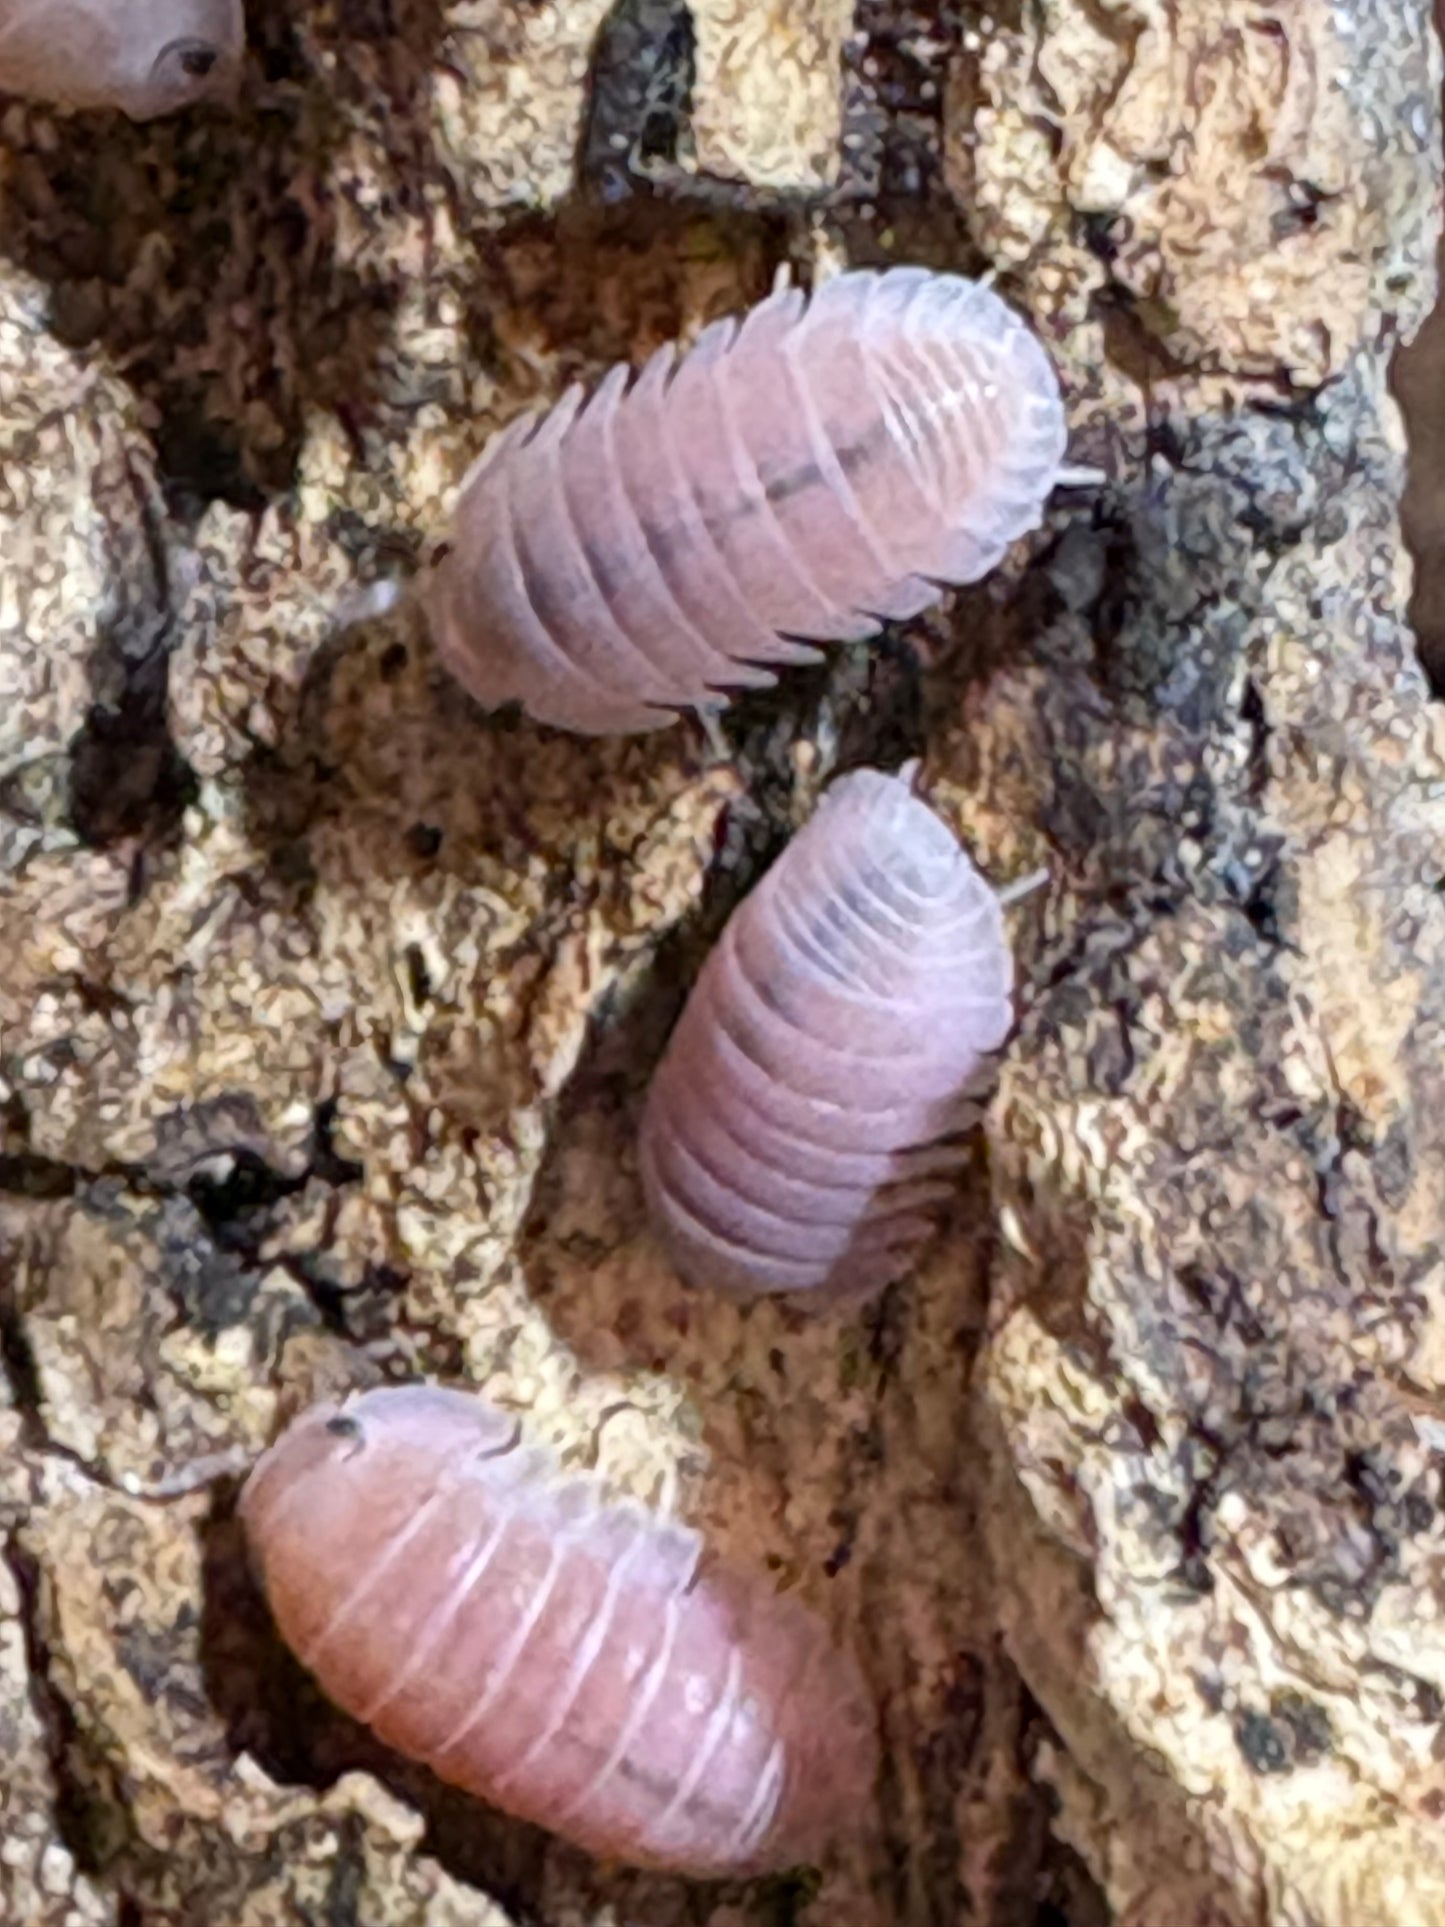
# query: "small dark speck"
{"points": [[1307, 1723], [418, 975], [1261, 1743], [424, 839], [1419, 1513], [1210, 1692], [1194, 1573], [393, 662], [198, 61], [342, 1427]]}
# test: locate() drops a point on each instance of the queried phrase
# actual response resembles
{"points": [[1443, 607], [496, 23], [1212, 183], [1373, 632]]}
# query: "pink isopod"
{"points": [[145, 57], [799, 476], [803, 1125], [576, 1660]]}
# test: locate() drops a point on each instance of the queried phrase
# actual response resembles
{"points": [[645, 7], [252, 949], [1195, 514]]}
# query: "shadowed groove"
{"points": [[756, 1817], [760, 507], [681, 648], [590, 1652], [769, 1233], [429, 1641], [367, 1584], [752, 640], [632, 1724], [719, 1720], [830, 464], [687, 586], [554, 536], [507, 1664]]}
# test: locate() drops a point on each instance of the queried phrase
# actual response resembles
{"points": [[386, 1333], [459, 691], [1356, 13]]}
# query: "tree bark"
{"points": [[327, 1004]]}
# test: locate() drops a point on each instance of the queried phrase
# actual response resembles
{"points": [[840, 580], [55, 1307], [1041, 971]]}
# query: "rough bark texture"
{"points": [[1419, 382], [326, 1005], [1209, 1394]]}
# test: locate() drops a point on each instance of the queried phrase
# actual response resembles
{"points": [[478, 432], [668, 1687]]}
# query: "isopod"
{"points": [[803, 1124], [576, 1660], [799, 476], [146, 57]]}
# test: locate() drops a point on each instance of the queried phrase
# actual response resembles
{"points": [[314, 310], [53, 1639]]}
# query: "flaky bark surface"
{"points": [[326, 1004], [1210, 1387]]}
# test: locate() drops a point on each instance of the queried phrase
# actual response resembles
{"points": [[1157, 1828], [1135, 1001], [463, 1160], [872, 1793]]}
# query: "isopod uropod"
{"points": [[803, 1123], [575, 1660], [797, 477]]}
